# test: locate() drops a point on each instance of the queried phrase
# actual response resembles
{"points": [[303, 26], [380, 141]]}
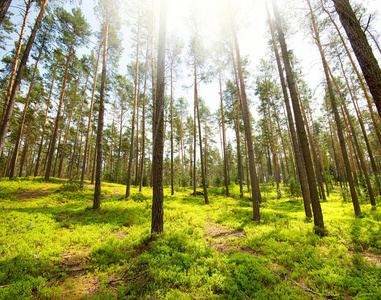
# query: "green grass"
{"points": [[54, 246]]}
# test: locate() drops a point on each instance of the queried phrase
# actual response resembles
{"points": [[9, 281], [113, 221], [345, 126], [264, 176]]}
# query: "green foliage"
{"points": [[211, 252]]}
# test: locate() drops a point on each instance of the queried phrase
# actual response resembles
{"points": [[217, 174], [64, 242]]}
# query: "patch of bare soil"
{"points": [[121, 234], [32, 194], [371, 258], [221, 239]]}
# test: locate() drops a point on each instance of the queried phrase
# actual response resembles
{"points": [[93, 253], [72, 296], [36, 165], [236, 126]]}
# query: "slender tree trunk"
{"points": [[20, 72], [90, 114], [172, 185], [36, 170], [63, 147], [143, 123], [129, 170], [337, 117], [56, 125], [21, 126], [362, 49], [77, 132], [80, 152], [223, 137], [355, 141], [361, 122], [276, 165], [313, 151], [26, 142], [199, 125], [359, 77], [282, 140], [256, 195], [298, 156], [16, 58], [157, 225], [303, 140], [98, 175], [237, 129]]}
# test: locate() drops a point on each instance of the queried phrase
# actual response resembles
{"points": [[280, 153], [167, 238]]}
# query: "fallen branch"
{"points": [[245, 295], [4, 286], [313, 292]]}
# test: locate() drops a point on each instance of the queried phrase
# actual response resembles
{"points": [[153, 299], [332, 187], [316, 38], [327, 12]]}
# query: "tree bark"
{"points": [[199, 125], [15, 59], [129, 170], [36, 170], [77, 132], [63, 146], [20, 72], [298, 156], [21, 127], [90, 114], [360, 78], [57, 121], [337, 117], [98, 175], [143, 124], [256, 195], [223, 137], [368, 62], [157, 225], [303, 140], [4, 5]]}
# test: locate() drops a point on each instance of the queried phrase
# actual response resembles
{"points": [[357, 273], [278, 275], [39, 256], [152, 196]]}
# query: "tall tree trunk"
{"points": [[172, 185], [223, 137], [237, 127], [276, 165], [303, 140], [337, 117], [21, 126], [77, 132], [98, 175], [4, 5], [298, 156], [367, 60], [15, 59], [26, 142], [84, 165], [256, 195], [63, 146], [362, 126], [157, 225], [36, 170], [57, 121], [313, 151], [129, 170], [359, 77], [143, 123], [20, 72], [199, 124], [355, 141]]}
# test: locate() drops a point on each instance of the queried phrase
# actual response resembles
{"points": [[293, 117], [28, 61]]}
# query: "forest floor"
{"points": [[53, 245]]}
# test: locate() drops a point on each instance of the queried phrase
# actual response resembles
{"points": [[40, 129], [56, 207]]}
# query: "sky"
{"points": [[252, 36]]}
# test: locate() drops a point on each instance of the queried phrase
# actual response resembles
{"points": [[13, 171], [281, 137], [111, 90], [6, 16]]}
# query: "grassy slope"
{"points": [[54, 246]]}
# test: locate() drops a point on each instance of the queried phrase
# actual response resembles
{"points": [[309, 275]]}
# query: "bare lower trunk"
{"points": [[303, 140], [256, 195], [129, 170], [98, 176], [337, 117], [157, 225]]}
